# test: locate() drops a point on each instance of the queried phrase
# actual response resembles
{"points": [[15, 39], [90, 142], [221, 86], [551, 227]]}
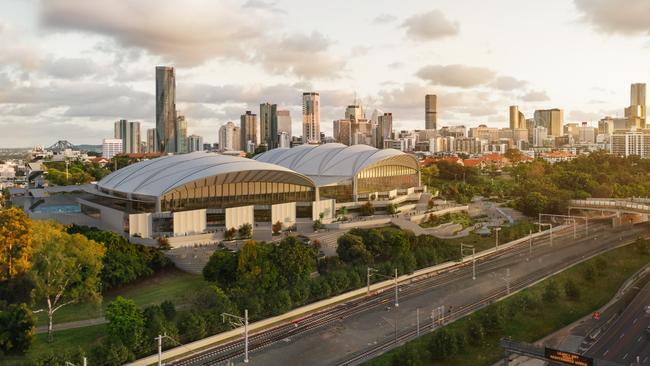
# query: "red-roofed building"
{"points": [[557, 156]]}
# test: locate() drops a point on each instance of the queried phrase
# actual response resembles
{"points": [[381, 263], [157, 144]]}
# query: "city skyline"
{"points": [[70, 78]]}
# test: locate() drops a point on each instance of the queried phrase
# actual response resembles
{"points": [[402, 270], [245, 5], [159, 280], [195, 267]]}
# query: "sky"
{"points": [[70, 68]]}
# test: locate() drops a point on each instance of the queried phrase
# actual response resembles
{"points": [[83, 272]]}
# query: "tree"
{"points": [[168, 309], [66, 268], [443, 344], [191, 326], [111, 353], [571, 290], [229, 234], [245, 231], [367, 209], [276, 228], [15, 243], [221, 268], [551, 292], [391, 209], [163, 243], [475, 332], [318, 224], [16, 328], [352, 250], [125, 322]]}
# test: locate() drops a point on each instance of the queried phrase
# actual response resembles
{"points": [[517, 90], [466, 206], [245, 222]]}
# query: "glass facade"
{"points": [[190, 197], [383, 178]]}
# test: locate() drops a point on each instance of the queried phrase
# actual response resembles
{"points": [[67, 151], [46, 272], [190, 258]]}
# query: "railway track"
{"points": [[258, 341]]}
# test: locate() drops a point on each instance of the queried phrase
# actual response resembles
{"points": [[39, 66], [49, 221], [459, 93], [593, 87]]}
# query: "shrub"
{"points": [[551, 292], [245, 231], [229, 234], [276, 228], [571, 290]]}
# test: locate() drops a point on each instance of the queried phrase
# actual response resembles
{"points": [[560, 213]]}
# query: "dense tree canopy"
{"points": [[15, 243]]}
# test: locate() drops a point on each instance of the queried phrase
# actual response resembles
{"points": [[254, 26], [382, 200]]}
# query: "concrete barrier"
{"points": [[312, 308]]}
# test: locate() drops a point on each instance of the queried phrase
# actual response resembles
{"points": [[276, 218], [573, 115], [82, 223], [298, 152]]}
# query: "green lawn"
{"points": [[613, 269], [85, 338], [171, 285]]}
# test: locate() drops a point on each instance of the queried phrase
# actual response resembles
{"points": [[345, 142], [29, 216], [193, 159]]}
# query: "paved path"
{"points": [[72, 325]]}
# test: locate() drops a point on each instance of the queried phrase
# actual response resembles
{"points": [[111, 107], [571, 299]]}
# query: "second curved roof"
{"points": [[328, 163]]}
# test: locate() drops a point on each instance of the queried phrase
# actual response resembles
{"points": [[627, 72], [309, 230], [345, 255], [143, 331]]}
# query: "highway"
{"points": [[626, 338], [361, 329]]}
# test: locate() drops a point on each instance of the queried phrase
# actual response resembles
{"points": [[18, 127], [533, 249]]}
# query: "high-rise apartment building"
{"points": [[552, 119], [540, 134], [430, 112], [194, 143], [111, 147], [310, 118], [269, 125], [627, 143], [517, 119], [342, 131], [181, 134], [129, 133], [248, 125], [152, 140], [229, 137], [166, 109]]}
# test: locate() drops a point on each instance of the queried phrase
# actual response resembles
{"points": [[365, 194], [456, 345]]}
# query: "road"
{"points": [[361, 329], [626, 338]]}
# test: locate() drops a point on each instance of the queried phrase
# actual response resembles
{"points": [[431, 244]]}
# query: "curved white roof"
{"points": [[328, 163], [161, 175]]}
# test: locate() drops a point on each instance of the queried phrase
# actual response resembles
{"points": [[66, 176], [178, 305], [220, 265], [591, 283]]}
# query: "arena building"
{"points": [[202, 193]]}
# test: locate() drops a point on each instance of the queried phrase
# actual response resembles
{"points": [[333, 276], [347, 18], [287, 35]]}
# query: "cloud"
{"points": [[429, 26], [396, 65], [535, 96], [263, 5], [186, 34], [384, 18], [508, 83], [303, 55], [456, 75], [69, 68], [628, 17]]}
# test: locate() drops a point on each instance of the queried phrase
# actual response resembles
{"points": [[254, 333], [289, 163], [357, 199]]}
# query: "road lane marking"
{"points": [[624, 357]]}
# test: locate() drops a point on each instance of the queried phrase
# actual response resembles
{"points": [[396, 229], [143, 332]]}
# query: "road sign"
{"points": [[567, 358], [596, 315]]}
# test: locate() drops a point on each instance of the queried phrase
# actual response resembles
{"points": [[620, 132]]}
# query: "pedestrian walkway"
{"points": [[72, 325]]}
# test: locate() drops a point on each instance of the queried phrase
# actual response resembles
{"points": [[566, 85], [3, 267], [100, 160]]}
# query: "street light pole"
{"points": [[530, 244], [368, 280], [417, 321], [396, 300], [496, 247]]}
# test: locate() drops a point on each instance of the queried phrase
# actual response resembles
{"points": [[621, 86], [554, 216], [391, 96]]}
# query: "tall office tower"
{"points": [[530, 126], [517, 119], [129, 133], [194, 143], [248, 123], [111, 147], [384, 128], [152, 140], [284, 122], [166, 109], [310, 118], [269, 125], [181, 134], [354, 113], [552, 119], [539, 136], [430, 112], [229, 137]]}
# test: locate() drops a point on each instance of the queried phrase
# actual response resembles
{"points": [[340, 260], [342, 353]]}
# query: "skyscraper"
{"points": [[354, 112], [111, 147], [248, 141], [430, 112], [342, 131], [384, 128], [310, 118], [166, 109], [517, 119], [269, 125], [284, 123], [152, 140], [129, 133], [636, 112], [229, 137], [181, 134], [552, 119]]}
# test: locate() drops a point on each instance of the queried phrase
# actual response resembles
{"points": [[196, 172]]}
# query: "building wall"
{"points": [[285, 213], [237, 216], [112, 218], [326, 207], [190, 222], [140, 224]]}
